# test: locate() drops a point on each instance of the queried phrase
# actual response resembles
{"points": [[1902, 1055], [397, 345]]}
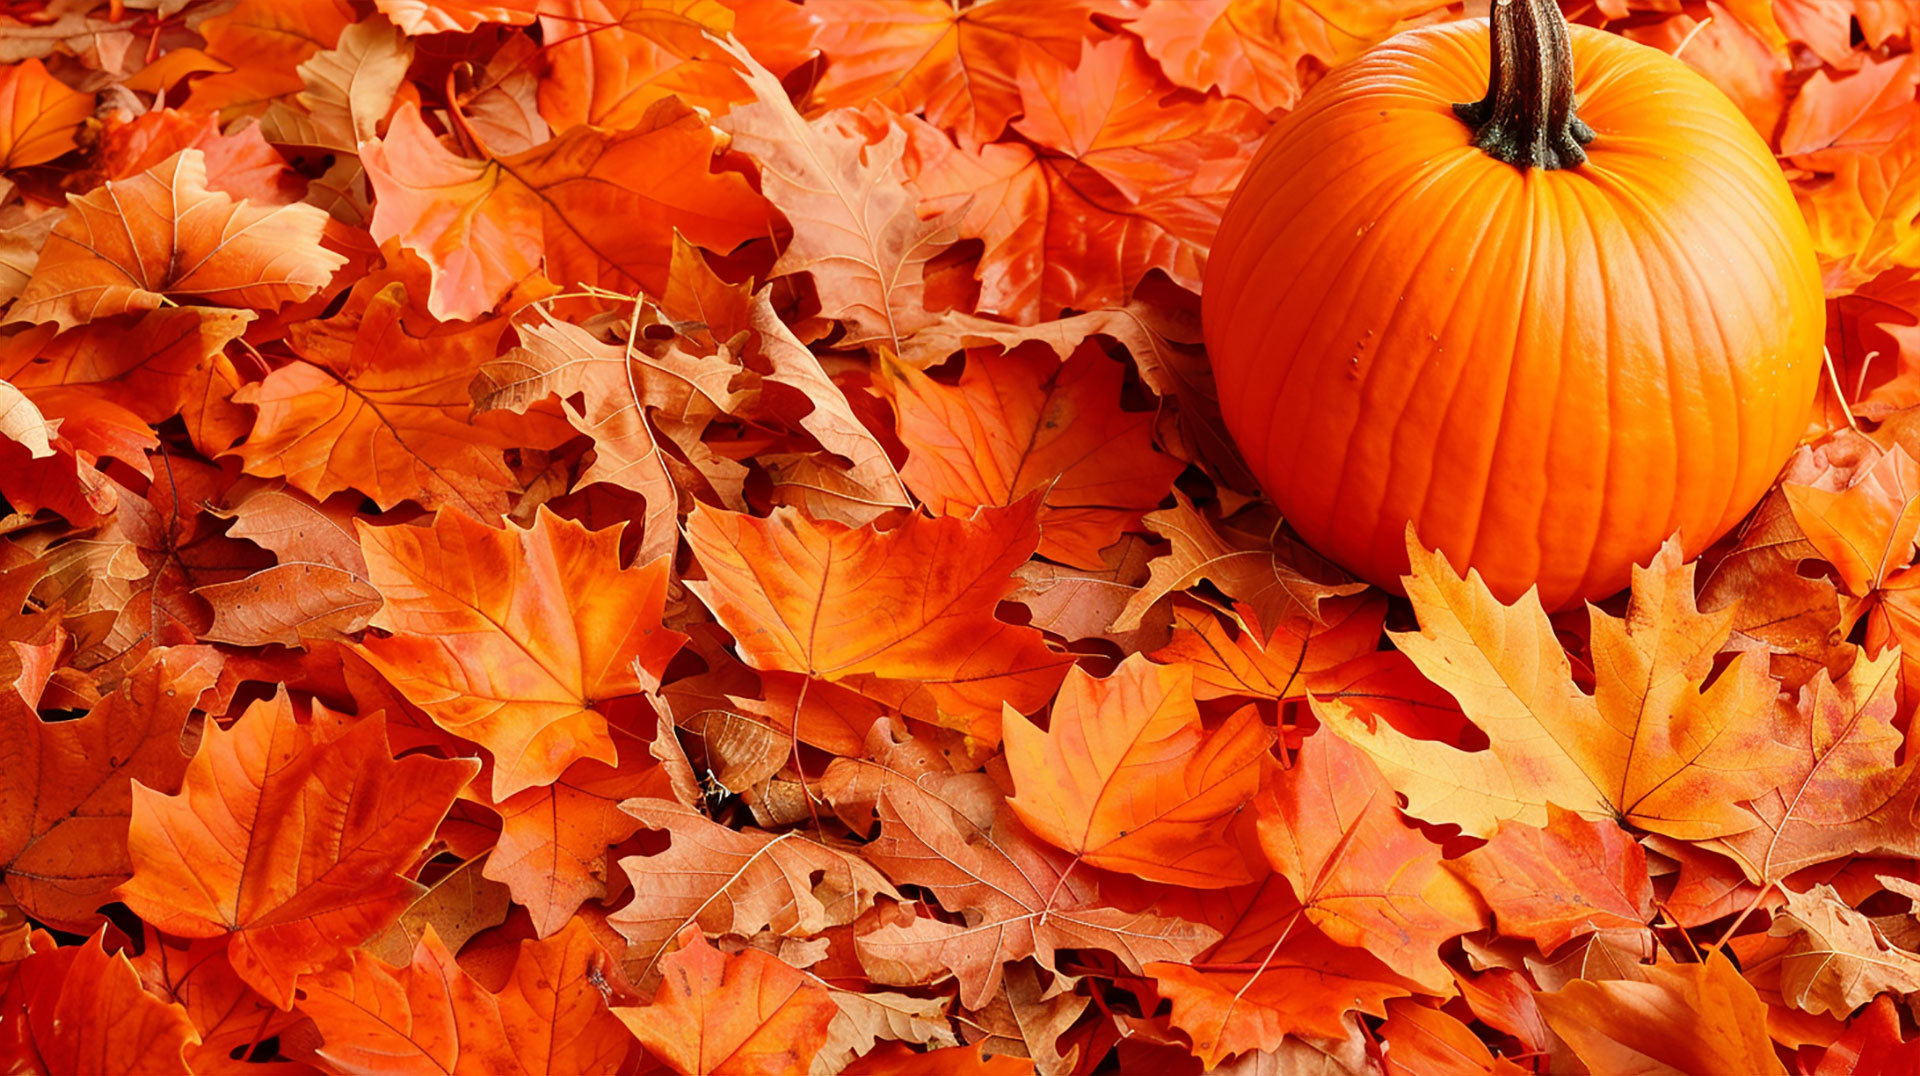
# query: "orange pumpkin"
{"points": [[1547, 343]]}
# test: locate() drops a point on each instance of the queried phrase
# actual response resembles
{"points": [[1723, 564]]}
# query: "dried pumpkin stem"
{"points": [[1527, 119]]}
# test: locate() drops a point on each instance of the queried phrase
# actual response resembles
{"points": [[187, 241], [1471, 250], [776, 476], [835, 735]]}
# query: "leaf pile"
{"points": [[695, 536]]}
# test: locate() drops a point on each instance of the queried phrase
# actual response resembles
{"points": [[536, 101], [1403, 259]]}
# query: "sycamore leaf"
{"points": [[1255, 49], [164, 236], [727, 882], [745, 1013], [290, 843], [855, 228], [42, 115], [1556, 882], [1673, 1018], [1836, 958], [1650, 746], [1126, 777], [1866, 531], [76, 1009], [486, 225], [1022, 421], [68, 786], [513, 637], [906, 615], [1365, 876]]}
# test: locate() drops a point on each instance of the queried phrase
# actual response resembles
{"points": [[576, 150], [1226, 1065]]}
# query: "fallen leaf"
{"points": [[745, 1013], [1675, 1018]]}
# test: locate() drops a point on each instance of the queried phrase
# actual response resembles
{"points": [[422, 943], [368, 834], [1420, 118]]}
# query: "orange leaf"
{"points": [[289, 603], [459, 16], [486, 225], [911, 608], [512, 637], [1255, 49], [227, 1013], [1866, 218], [1365, 875], [68, 785], [427, 1016], [264, 42], [77, 1009], [1227, 663], [855, 228], [1672, 1018], [1555, 883], [290, 843], [746, 1013], [1655, 744], [610, 60], [1423, 1041], [553, 843], [41, 115], [164, 236], [1021, 421], [554, 1010], [1867, 530], [1126, 777]]}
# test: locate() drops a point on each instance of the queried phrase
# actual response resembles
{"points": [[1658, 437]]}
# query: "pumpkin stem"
{"points": [[1526, 119]]}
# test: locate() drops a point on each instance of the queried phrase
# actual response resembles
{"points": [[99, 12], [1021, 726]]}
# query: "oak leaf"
{"points": [[1364, 875], [1651, 746], [288, 842], [1018, 422], [1673, 1018], [42, 115], [1127, 778], [486, 225], [512, 638], [745, 1013], [164, 236], [906, 615]]}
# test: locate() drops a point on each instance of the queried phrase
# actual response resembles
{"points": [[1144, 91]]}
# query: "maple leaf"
{"points": [[1865, 219], [955, 64], [553, 843], [1019, 422], [42, 115], [513, 637], [1862, 112], [1272, 975], [226, 1013], [1016, 894], [1126, 777], [610, 60], [906, 615], [1866, 531], [262, 44], [1254, 49], [68, 790], [290, 843], [1836, 959], [1841, 792], [164, 363], [1671, 1018], [855, 229], [77, 1009], [1650, 746], [1245, 568], [1227, 663], [1364, 876], [745, 1013], [163, 235], [1567, 878], [459, 16], [1420, 1039], [728, 882], [428, 1014], [486, 225]]}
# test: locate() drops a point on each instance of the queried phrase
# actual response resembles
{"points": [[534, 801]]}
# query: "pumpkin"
{"points": [[1542, 293]]}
